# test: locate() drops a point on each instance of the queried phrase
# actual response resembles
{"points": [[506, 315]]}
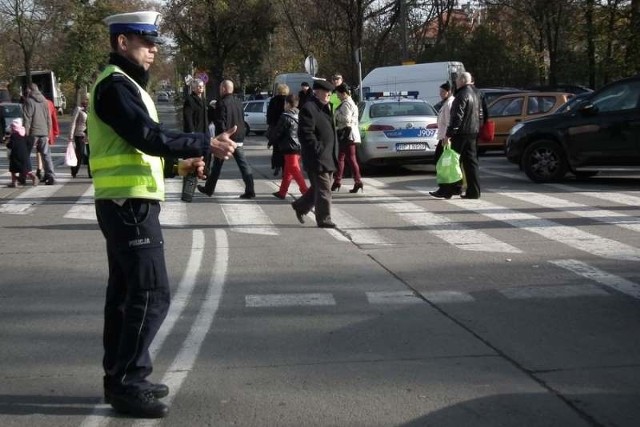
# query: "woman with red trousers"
{"points": [[285, 138]]}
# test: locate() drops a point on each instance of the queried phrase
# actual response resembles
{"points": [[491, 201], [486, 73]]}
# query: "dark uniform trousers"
{"points": [[138, 292], [465, 145], [318, 195]]}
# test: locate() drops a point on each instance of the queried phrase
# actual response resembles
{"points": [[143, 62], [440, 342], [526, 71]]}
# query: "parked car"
{"points": [[567, 88], [603, 133], [396, 129], [508, 110], [10, 111], [163, 97], [255, 116], [493, 93], [574, 102]]}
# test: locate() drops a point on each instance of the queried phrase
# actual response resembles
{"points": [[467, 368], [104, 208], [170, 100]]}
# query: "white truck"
{"points": [[425, 78], [48, 85]]}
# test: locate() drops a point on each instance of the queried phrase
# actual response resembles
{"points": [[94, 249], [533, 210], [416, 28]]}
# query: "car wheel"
{"points": [[585, 174], [247, 129], [259, 133], [544, 161]]}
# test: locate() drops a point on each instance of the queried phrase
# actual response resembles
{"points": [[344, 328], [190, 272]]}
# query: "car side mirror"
{"points": [[588, 109]]}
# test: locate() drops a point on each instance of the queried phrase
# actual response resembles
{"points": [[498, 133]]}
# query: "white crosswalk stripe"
{"points": [[610, 280], [602, 215], [617, 197], [173, 213], [570, 236], [27, 201], [442, 227], [243, 216], [84, 208]]}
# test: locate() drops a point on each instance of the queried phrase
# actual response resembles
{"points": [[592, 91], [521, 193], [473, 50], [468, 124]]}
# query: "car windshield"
{"points": [[11, 110], [392, 109], [573, 103]]}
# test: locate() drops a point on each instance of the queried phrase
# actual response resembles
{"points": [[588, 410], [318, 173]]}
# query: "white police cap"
{"points": [[144, 24]]}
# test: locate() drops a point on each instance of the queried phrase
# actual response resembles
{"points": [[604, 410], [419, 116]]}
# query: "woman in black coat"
{"points": [[274, 111], [19, 160], [194, 110]]}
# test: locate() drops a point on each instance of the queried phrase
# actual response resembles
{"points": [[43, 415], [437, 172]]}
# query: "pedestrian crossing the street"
{"points": [[520, 211]]}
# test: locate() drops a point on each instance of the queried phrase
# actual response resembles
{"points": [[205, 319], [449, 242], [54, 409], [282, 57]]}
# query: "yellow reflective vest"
{"points": [[121, 171]]}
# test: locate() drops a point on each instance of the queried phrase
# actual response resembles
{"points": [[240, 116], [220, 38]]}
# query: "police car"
{"points": [[396, 128]]}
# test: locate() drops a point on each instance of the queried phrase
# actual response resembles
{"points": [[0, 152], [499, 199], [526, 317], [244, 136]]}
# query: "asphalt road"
{"points": [[518, 309]]}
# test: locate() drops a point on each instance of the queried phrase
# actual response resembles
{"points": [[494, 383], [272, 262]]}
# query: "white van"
{"points": [[293, 80], [48, 85], [425, 78]]}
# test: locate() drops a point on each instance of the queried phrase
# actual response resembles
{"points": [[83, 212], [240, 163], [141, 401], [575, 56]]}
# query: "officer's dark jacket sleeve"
{"points": [[119, 105]]}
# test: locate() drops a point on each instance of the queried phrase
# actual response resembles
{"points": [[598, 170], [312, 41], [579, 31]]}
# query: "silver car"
{"points": [[255, 116], [396, 129], [10, 111]]}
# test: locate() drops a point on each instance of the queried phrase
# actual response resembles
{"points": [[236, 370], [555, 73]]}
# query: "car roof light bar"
{"points": [[401, 94]]}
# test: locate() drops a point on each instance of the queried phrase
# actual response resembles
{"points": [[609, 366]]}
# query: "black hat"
{"points": [[323, 84], [343, 88], [446, 86], [304, 84]]}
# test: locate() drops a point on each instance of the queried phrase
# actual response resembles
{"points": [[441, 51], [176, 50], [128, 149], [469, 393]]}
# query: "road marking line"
{"points": [[577, 209], [182, 296], [398, 297], [172, 213], [289, 300], [440, 226], [564, 291], [84, 208], [27, 201], [174, 210], [184, 361], [570, 236], [447, 297], [615, 197], [612, 281], [242, 216], [355, 230]]}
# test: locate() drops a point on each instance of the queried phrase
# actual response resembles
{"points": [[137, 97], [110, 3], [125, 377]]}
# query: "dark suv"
{"points": [[603, 133]]}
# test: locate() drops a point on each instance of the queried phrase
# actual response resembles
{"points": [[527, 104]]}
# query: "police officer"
{"points": [[130, 155]]}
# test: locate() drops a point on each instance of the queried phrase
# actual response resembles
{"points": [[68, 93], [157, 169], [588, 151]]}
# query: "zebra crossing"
{"points": [[517, 210]]}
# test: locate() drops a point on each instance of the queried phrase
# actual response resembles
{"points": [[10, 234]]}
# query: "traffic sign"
{"points": [[203, 76], [311, 65]]}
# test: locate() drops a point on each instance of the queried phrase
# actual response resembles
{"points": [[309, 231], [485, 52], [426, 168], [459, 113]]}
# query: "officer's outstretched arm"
{"points": [[222, 146]]}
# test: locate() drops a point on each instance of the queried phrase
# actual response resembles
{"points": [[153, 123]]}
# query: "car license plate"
{"points": [[412, 146], [411, 133]]}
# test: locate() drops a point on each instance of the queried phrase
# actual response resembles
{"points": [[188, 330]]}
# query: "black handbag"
{"points": [[344, 135]]}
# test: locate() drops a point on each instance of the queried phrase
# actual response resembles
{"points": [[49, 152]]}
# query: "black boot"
{"points": [[139, 404]]}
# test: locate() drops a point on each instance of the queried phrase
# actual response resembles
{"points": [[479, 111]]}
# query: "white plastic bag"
{"points": [[70, 158]]}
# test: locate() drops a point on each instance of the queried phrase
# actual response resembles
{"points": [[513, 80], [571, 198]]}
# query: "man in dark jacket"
{"points": [[317, 135], [228, 113], [305, 94], [463, 131], [194, 110]]}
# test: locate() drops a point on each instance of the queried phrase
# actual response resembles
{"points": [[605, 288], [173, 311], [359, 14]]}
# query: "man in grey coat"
{"points": [[317, 135], [37, 122]]}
